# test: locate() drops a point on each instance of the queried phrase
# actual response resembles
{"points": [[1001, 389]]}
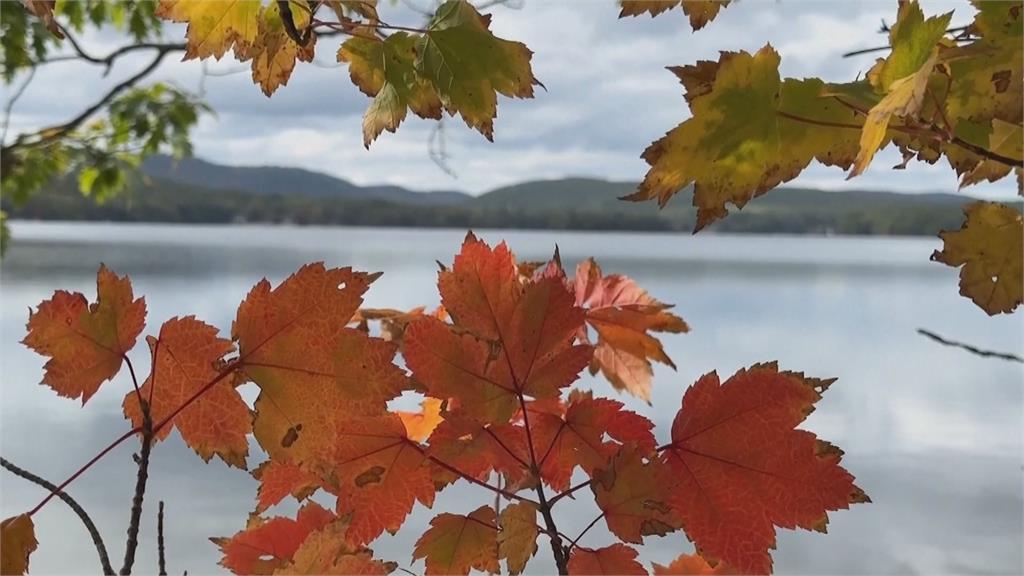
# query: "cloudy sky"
{"points": [[608, 96]]}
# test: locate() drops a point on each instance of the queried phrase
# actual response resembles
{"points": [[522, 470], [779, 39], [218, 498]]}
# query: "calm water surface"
{"points": [[933, 434]]}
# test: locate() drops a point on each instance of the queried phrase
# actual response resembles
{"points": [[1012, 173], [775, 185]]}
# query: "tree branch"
{"points": [[986, 153], [108, 60], [162, 563], [969, 348], [140, 491], [97, 540], [51, 133]]}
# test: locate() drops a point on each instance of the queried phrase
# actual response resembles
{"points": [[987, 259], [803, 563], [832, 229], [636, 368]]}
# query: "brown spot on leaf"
{"points": [[1001, 80], [291, 436], [371, 476]]}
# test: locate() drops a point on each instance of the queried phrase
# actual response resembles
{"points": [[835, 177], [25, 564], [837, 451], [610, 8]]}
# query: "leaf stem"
{"points": [[97, 540], [467, 477], [225, 372], [585, 530], [570, 491]]}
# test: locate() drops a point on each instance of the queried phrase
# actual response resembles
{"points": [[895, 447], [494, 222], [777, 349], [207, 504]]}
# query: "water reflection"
{"points": [[934, 435]]}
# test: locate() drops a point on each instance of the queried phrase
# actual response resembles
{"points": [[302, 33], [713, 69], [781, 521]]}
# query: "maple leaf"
{"points": [[692, 564], [476, 450], [700, 11], [273, 53], [519, 341], [385, 70], [623, 314], [517, 540], [377, 473], [749, 132], [186, 358], [985, 76], [392, 322], [267, 545], [617, 559], [454, 543], [576, 436], [280, 478], [215, 27], [326, 551], [740, 467], [86, 343], [468, 65], [630, 493], [990, 247], [17, 542], [294, 345], [902, 77], [1003, 138], [419, 425]]}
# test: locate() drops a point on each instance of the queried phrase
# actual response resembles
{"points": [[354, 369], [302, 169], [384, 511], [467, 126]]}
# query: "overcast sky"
{"points": [[608, 96]]}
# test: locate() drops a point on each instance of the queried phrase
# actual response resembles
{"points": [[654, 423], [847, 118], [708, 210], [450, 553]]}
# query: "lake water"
{"points": [[933, 434]]}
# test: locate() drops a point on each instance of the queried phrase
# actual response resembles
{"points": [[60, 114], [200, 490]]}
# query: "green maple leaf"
{"points": [[469, 66], [384, 69]]}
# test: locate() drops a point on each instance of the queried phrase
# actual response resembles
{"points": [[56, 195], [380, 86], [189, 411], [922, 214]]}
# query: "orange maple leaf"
{"points": [[630, 493], [510, 338], [476, 450], [377, 473], [310, 368], [617, 559], [740, 466], [693, 565], [454, 543], [623, 314], [86, 343], [419, 425], [267, 545], [280, 478], [574, 435], [186, 358]]}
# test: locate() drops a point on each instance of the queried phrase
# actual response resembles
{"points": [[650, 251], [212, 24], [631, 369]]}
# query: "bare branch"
{"points": [[108, 60], [97, 540], [52, 133], [140, 491], [9, 107], [969, 348], [160, 540]]}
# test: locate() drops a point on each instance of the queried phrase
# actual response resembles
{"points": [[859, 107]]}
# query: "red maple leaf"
{"points": [[741, 467]]}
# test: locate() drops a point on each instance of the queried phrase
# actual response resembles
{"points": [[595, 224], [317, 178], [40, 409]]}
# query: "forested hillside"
{"points": [[202, 192]]}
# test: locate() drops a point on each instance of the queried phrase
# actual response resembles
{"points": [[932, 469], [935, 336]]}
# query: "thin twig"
{"points": [[585, 530], [569, 492], [9, 107], [140, 491], [224, 373], [986, 152], [969, 348], [97, 540], [162, 563], [51, 133]]}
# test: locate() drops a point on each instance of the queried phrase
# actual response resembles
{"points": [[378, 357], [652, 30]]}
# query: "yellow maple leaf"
{"points": [[215, 27], [17, 541], [990, 247]]}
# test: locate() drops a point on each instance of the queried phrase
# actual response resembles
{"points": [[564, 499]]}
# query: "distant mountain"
{"points": [[194, 190], [265, 180]]}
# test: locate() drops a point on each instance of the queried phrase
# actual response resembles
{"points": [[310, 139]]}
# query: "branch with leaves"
{"points": [[495, 365]]}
